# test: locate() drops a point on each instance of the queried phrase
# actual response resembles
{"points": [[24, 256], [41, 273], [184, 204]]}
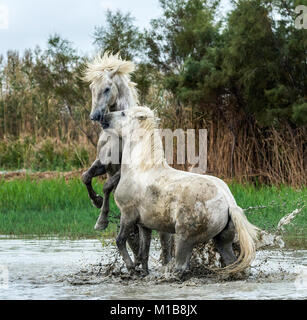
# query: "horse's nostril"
{"points": [[96, 116]]}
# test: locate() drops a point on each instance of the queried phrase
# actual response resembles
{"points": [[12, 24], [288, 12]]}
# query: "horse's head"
{"points": [[127, 122], [104, 96], [137, 126], [112, 89]]}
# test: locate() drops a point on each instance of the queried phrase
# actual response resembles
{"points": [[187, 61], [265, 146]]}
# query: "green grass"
{"points": [[278, 201], [50, 207], [274, 203], [58, 208]]}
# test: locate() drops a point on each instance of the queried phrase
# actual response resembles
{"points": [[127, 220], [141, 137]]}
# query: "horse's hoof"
{"points": [[137, 263], [140, 271], [132, 271], [182, 275], [144, 273], [97, 201], [99, 226], [166, 261]]}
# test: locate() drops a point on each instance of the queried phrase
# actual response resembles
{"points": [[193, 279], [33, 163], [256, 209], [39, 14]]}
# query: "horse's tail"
{"points": [[247, 234]]}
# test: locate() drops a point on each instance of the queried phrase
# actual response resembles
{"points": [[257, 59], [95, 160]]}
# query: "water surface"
{"points": [[66, 269]]}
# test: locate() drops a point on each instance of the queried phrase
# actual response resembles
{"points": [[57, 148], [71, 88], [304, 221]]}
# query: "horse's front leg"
{"points": [[166, 240], [145, 239], [134, 243], [125, 229], [96, 169], [109, 186]]}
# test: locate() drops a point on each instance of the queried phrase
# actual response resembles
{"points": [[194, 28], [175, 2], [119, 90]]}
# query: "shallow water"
{"points": [[64, 269]]}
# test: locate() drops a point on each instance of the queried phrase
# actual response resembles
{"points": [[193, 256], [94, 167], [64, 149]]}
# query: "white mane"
{"points": [[95, 71], [151, 147]]}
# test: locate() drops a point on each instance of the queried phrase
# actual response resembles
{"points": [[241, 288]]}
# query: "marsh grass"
{"points": [[44, 154], [55, 207], [50, 207], [269, 204]]}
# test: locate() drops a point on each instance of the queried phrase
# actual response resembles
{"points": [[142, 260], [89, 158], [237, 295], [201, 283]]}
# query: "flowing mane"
{"points": [[95, 71], [152, 152]]}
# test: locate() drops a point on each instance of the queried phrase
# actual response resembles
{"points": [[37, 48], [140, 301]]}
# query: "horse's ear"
{"points": [[113, 72]]}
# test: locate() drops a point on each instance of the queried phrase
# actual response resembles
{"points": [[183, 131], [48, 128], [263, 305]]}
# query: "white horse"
{"points": [[112, 90], [153, 195]]}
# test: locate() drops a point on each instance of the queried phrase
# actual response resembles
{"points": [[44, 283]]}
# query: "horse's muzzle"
{"points": [[105, 123], [97, 116]]}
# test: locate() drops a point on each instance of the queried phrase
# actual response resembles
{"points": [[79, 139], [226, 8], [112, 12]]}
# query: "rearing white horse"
{"points": [[195, 207], [112, 90]]}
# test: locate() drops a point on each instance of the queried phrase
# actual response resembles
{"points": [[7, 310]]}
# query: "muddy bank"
{"points": [[84, 269], [22, 174]]}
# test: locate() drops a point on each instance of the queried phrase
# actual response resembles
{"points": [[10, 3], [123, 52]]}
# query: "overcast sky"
{"points": [[27, 23]]}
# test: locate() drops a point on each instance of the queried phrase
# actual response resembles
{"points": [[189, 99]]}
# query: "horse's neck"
{"points": [[141, 155], [126, 98]]}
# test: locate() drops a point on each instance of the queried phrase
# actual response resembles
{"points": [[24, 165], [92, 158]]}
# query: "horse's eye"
{"points": [[123, 114], [106, 90]]}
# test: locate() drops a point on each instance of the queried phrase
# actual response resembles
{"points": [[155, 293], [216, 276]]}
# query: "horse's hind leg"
{"points": [[183, 254], [109, 186], [166, 240], [223, 243], [145, 238], [96, 169]]}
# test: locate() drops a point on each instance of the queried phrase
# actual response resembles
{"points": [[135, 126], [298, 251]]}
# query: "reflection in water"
{"points": [[43, 269]]}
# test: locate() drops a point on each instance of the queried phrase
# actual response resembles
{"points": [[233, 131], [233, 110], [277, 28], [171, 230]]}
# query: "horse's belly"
{"points": [[159, 221]]}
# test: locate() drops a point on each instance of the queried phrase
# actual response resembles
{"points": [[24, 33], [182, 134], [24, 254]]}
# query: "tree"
{"points": [[184, 45], [185, 30], [118, 35], [71, 93], [265, 61]]}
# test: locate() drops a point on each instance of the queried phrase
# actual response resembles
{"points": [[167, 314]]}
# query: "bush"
{"points": [[49, 154]]}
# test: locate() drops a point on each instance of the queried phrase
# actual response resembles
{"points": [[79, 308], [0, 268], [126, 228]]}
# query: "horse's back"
{"points": [[185, 203]]}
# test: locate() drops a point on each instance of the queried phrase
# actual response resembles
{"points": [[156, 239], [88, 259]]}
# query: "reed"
{"points": [[241, 150]]}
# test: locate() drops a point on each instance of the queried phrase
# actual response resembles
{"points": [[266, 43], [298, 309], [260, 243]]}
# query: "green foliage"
{"points": [[42, 94], [245, 71], [43, 156], [144, 76], [185, 30], [299, 113], [256, 61], [119, 35]]}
